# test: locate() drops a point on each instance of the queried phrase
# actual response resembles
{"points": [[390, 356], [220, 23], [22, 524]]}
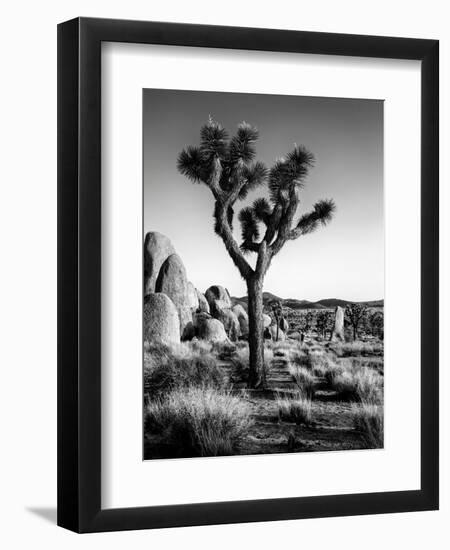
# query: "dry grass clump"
{"points": [[300, 358], [368, 420], [305, 380], [297, 408], [241, 362], [356, 384], [167, 369], [199, 421], [358, 348], [281, 347], [223, 350]]}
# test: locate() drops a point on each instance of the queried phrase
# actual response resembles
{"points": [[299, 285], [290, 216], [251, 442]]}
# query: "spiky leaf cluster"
{"points": [[228, 166]]}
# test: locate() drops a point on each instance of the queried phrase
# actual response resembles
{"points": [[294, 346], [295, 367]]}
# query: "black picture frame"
{"points": [[79, 274]]}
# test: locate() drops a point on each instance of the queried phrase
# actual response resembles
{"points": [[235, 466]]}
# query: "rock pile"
{"points": [[175, 310]]}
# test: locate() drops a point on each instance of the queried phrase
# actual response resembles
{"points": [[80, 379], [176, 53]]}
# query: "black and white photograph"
{"points": [[263, 274]]}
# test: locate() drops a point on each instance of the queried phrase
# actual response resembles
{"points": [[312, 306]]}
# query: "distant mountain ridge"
{"points": [[293, 303]]}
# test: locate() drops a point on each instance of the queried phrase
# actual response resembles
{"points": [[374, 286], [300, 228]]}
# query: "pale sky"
{"points": [[343, 260]]}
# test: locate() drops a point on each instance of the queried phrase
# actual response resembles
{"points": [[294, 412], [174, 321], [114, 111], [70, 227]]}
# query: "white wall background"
{"points": [[28, 274]]}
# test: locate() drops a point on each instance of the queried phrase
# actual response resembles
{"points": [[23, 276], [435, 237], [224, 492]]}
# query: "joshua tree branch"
{"points": [[286, 222], [320, 215], [223, 202]]}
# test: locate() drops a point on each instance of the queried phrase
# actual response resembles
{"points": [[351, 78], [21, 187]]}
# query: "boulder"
{"points": [[267, 320], [215, 293], [338, 329], [230, 323], [242, 317], [192, 297], [202, 302], [284, 325], [173, 282], [161, 321], [208, 328], [157, 248], [188, 332], [273, 333]]}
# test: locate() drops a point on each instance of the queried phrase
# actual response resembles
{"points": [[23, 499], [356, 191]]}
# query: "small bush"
{"points": [[164, 371], [368, 420], [297, 408], [200, 346], [305, 380], [357, 384], [355, 349], [199, 421], [241, 362], [301, 359], [332, 373]]}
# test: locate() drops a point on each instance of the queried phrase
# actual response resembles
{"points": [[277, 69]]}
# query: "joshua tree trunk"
{"points": [[256, 332], [227, 167]]}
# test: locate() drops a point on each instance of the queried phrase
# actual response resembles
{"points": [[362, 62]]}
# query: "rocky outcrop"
{"points": [[273, 333], [172, 281], [229, 321], [338, 329], [267, 320], [161, 321], [208, 328], [192, 298], [242, 317], [218, 293], [157, 248], [219, 302], [202, 302], [284, 325]]}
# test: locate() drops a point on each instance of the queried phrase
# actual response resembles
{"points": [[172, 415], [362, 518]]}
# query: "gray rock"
{"points": [[161, 321], [157, 248], [202, 302], [192, 297], [208, 328], [338, 329], [284, 325], [230, 323], [172, 281], [273, 333], [188, 332], [267, 320], [242, 317], [215, 293]]}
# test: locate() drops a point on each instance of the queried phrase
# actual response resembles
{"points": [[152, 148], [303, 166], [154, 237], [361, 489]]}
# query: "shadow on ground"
{"points": [[48, 514]]}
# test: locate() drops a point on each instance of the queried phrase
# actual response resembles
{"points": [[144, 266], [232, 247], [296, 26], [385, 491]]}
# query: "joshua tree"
{"points": [[324, 322], [277, 310], [375, 322], [227, 167], [355, 314], [305, 323]]}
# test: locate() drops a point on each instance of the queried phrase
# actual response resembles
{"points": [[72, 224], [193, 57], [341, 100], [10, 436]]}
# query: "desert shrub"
{"points": [[297, 408], [357, 384], [355, 349], [199, 421], [164, 371], [332, 373], [281, 347], [305, 380], [368, 420], [200, 346], [300, 358], [369, 386], [223, 350], [241, 362]]}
